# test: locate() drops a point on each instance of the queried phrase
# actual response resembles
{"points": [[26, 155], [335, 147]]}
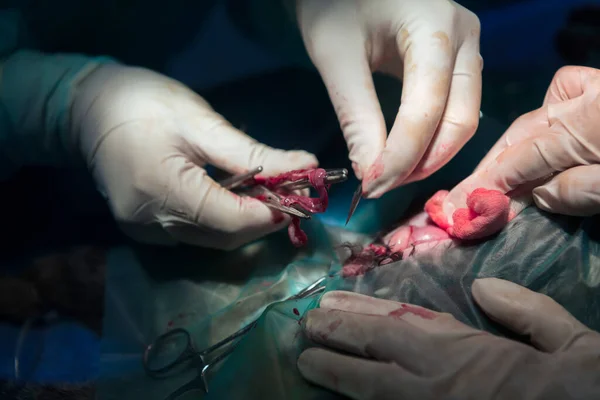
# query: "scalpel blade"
{"points": [[355, 200]]}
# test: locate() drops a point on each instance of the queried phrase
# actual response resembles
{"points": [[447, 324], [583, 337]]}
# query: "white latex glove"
{"points": [[433, 46], [408, 352], [146, 139], [554, 150]]}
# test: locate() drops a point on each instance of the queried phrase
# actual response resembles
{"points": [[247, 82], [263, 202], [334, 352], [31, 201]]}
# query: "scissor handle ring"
{"points": [[188, 350]]}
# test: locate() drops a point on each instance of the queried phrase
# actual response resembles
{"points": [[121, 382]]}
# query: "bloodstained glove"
{"points": [[433, 46], [550, 156], [400, 351], [146, 139]]}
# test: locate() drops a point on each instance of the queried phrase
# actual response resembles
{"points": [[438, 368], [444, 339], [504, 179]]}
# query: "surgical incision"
{"points": [[487, 212]]}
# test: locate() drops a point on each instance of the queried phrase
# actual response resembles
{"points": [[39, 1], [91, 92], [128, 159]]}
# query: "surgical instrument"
{"points": [[271, 199], [333, 176], [355, 200], [237, 180], [189, 353]]}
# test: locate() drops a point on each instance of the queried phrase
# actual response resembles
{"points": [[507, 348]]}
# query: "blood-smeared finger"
{"points": [[428, 65]]}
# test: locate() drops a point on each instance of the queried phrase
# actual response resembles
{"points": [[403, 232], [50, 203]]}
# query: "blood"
{"points": [[277, 218], [296, 234], [365, 259], [409, 309], [296, 312], [316, 178], [376, 170], [332, 327], [487, 213]]}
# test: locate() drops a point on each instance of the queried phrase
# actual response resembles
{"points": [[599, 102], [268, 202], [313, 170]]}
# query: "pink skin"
{"points": [[417, 234]]}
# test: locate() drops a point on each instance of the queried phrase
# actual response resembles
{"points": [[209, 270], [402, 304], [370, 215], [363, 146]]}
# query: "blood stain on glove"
{"points": [[415, 310], [376, 170], [316, 177], [487, 213]]}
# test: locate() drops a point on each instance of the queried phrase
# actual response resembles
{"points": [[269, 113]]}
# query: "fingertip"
{"points": [[308, 364], [303, 159]]}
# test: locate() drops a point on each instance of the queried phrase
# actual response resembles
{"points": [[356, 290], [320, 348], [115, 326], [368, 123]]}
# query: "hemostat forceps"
{"points": [[178, 342], [271, 199], [333, 176]]}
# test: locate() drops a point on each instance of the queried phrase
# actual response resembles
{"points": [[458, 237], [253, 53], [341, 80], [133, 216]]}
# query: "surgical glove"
{"points": [[146, 139], [399, 351], [550, 155], [433, 46]]}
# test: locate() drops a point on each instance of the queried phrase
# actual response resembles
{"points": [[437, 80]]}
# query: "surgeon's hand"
{"points": [[146, 139], [433, 46], [550, 155], [399, 351]]}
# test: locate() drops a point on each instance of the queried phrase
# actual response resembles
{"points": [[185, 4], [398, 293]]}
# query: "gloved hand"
{"points": [[409, 352], [550, 155], [146, 139], [433, 46]]}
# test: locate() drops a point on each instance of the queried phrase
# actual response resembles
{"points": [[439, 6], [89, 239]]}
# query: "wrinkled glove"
{"points": [[550, 155], [400, 351], [433, 46], [146, 139]]}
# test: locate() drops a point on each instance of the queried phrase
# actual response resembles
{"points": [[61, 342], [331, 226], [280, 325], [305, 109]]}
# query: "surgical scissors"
{"points": [[189, 354]]}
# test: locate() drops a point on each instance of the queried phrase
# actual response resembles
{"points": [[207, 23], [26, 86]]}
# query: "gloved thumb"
{"points": [[218, 217], [575, 191], [528, 313]]}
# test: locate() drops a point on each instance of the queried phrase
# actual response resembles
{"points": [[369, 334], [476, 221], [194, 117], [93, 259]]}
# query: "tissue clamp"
{"points": [[333, 176]]}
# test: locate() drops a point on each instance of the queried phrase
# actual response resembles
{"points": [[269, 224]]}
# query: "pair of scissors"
{"points": [[176, 349]]}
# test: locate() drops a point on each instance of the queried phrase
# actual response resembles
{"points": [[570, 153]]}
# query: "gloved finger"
{"points": [[575, 191], [386, 338], [461, 115], [353, 377], [210, 138], [530, 160], [338, 53], [428, 64], [361, 304], [525, 312], [199, 211], [570, 82], [528, 125], [525, 127]]}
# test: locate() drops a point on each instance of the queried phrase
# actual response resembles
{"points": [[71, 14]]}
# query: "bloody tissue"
{"points": [[487, 213], [316, 177], [365, 259]]}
